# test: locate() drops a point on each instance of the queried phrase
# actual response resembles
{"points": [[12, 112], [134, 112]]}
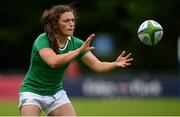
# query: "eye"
{"points": [[68, 20], [73, 20]]}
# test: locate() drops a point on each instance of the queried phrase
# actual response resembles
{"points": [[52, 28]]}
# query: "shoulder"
{"points": [[42, 41], [41, 37], [76, 40]]}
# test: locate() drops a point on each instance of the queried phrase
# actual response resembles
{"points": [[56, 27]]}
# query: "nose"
{"points": [[71, 23]]}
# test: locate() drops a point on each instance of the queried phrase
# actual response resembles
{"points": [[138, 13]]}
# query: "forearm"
{"points": [[105, 66], [62, 59]]}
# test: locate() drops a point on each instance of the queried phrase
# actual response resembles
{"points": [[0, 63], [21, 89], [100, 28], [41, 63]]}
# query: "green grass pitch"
{"points": [[111, 107]]}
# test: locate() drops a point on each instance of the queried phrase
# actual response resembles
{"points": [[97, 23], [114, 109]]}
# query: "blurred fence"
{"points": [[131, 86], [9, 86], [103, 86]]}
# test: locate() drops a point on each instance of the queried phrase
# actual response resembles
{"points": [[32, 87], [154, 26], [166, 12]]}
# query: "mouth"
{"points": [[71, 29]]}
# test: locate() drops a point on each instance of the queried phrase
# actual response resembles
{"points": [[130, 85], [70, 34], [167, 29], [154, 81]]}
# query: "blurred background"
{"points": [[150, 86]]}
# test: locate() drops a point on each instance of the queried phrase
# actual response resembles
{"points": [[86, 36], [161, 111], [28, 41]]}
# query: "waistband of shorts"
{"points": [[56, 95]]}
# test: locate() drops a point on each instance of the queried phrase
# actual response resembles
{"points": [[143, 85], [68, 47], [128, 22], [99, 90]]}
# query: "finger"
{"points": [[123, 65], [91, 48], [122, 53], [128, 55], [130, 59], [91, 37], [127, 64]]}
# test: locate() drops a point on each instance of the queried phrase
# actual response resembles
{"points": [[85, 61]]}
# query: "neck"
{"points": [[62, 41]]}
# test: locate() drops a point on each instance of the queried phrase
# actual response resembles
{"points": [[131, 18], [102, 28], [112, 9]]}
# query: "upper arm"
{"points": [[90, 60], [47, 54], [42, 46]]}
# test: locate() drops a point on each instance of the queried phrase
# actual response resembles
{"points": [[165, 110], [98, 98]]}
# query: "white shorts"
{"points": [[45, 103]]}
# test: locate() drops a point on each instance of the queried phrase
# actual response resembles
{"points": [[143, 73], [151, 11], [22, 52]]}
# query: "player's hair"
{"points": [[49, 21]]}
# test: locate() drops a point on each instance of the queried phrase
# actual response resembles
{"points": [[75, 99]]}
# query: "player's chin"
{"points": [[69, 33]]}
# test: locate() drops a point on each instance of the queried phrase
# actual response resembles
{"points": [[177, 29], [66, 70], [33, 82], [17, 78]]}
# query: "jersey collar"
{"points": [[69, 38]]}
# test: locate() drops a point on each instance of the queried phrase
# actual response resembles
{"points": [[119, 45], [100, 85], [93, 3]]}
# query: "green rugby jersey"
{"points": [[41, 78]]}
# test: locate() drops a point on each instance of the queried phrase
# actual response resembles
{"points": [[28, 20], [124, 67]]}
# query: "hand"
{"points": [[124, 60], [86, 45]]}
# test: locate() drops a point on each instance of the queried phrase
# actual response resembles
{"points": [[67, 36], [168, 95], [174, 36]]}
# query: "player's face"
{"points": [[66, 24]]}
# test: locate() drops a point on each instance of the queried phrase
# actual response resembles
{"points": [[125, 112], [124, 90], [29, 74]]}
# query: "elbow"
{"points": [[53, 65], [56, 64], [97, 68], [99, 71]]}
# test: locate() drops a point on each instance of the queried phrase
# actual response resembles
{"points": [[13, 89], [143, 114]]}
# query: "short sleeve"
{"points": [[42, 42]]}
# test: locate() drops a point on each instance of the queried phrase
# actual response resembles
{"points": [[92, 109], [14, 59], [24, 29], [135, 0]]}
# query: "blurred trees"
{"points": [[20, 25]]}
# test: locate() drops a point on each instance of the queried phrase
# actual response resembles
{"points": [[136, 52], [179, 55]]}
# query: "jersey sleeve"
{"points": [[41, 42]]}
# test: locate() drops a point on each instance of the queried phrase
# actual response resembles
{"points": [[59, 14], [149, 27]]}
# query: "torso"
{"points": [[41, 78]]}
